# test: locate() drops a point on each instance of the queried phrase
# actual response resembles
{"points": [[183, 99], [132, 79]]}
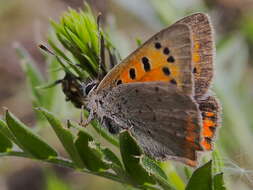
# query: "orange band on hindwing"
{"points": [[210, 111]]}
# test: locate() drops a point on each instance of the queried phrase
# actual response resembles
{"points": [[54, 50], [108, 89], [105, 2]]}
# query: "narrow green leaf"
{"points": [[111, 157], [91, 157], [201, 178], [131, 155], [114, 163], [48, 85], [172, 174], [156, 172], [7, 132], [33, 76], [65, 136], [29, 141], [217, 162], [152, 167], [57, 50], [5, 143], [187, 172], [218, 182]]}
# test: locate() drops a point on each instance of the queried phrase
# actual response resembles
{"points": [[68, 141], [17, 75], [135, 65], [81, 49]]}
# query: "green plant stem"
{"points": [[66, 163], [172, 175]]}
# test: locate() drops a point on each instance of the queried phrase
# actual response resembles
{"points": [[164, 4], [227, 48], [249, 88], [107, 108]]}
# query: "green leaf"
{"points": [[33, 76], [5, 143], [152, 167], [131, 155], [172, 174], [7, 132], [114, 163], [111, 157], [91, 157], [187, 172], [219, 182], [65, 136], [29, 141], [156, 172], [47, 85], [218, 164], [201, 178]]}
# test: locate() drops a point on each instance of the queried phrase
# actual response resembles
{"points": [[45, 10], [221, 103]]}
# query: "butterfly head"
{"points": [[89, 87]]}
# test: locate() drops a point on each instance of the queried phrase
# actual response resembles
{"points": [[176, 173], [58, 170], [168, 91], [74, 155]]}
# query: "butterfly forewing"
{"points": [[203, 51], [165, 57]]}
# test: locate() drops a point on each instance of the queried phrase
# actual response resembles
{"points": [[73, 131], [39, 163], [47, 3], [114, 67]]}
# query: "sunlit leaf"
{"points": [[65, 136], [131, 155], [5, 143], [201, 178], [91, 157], [29, 141], [219, 182]]}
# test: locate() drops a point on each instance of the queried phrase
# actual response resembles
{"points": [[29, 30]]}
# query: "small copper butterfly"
{"points": [[161, 92]]}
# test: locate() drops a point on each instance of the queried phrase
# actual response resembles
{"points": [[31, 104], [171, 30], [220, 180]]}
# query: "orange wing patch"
{"points": [[152, 64], [167, 57], [210, 110], [196, 57]]}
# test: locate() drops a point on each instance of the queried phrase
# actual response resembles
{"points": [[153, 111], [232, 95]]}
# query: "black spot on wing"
{"points": [[166, 71], [171, 59], [132, 73], [146, 64], [158, 45], [166, 51], [173, 81]]}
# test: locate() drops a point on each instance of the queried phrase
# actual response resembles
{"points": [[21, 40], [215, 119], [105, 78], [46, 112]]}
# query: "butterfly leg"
{"points": [[83, 122]]}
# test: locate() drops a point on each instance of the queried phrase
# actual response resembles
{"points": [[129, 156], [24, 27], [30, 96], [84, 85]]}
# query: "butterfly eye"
{"points": [[89, 87]]}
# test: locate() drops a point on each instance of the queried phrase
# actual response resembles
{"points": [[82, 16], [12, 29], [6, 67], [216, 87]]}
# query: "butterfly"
{"points": [[161, 93]]}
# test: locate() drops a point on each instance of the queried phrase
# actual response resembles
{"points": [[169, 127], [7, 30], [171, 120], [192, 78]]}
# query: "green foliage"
{"points": [[131, 154], [78, 33], [201, 178], [218, 182], [90, 154], [29, 141], [65, 136], [5, 143]]}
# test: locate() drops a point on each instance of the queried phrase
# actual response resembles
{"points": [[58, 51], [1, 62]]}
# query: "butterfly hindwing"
{"points": [[164, 57], [203, 50], [165, 122], [211, 119]]}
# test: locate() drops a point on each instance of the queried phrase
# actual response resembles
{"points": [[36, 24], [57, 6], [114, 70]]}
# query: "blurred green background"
{"points": [[27, 22]]}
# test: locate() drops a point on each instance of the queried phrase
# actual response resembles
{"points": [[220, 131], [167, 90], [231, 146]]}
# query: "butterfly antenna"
{"points": [[113, 58], [47, 50], [101, 68], [44, 48]]}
